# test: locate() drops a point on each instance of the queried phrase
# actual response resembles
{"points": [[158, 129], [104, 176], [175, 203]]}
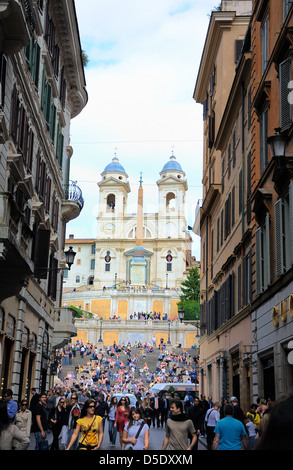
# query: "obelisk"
{"points": [[138, 263]]}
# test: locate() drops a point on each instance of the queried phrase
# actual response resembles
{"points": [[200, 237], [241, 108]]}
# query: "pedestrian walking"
{"points": [[211, 418], [122, 416], [11, 404], [230, 433], [23, 420], [40, 423], [278, 433], [56, 420], [135, 435], [147, 411], [74, 414], [237, 411], [197, 417], [90, 427], [178, 428], [156, 404], [9, 432], [102, 408], [165, 408], [251, 431], [112, 430]]}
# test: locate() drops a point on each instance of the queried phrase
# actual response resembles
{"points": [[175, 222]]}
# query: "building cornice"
{"points": [[65, 21]]}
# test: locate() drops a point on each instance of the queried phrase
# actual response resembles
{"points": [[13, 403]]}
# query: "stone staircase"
{"points": [[150, 359]]}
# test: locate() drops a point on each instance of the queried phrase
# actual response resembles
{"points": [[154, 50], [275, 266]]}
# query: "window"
{"points": [[107, 267], [93, 249], [77, 279], [265, 41], [111, 202], [3, 66], [169, 267], [284, 232], [263, 140], [33, 55], [92, 264], [285, 104], [286, 7], [262, 256]]}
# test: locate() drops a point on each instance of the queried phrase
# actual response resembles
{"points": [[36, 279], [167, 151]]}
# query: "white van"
{"points": [[180, 388]]}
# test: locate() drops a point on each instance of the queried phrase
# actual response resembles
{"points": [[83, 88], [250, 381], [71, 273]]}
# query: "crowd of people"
{"points": [[77, 409]]}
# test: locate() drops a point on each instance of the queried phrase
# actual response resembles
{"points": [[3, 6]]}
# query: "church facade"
{"points": [[138, 261]]}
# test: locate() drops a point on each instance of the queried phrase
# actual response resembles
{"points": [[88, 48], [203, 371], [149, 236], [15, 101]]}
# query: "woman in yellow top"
{"points": [[90, 427]]}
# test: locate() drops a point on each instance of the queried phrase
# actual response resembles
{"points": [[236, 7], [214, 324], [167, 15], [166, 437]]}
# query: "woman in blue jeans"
{"points": [[111, 420]]}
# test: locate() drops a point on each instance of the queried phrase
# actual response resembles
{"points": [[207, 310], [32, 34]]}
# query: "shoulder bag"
{"points": [[137, 434], [81, 442]]}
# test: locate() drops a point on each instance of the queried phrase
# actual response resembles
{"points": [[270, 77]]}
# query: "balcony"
{"points": [[64, 328], [73, 202], [16, 21], [15, 237]]}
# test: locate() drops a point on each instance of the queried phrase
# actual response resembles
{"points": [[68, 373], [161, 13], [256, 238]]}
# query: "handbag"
{"points": [[80, 444], [136, 435]]}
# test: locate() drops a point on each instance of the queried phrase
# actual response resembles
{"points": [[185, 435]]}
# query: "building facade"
{"points": [[245, 219], [42, 89], [224, 218], [138, 261], [272, 197]]}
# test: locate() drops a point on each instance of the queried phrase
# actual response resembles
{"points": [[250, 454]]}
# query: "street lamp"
{"points": [[181, 314], [70, 255], [277, 143], [169, 326], [101, 322]]}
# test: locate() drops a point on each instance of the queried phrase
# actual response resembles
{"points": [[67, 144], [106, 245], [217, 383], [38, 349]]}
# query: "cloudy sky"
{"points": [[143, 63]]}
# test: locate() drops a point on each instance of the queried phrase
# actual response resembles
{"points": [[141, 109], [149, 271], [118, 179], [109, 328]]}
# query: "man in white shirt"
{"points": [[211, 418]]}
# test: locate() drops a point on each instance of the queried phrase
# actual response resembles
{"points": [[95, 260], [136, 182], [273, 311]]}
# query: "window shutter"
{"points": [[291, 220], [279, 237], [258, 260], [239, 287], [41, 253], [266, 261], [285, 105]]}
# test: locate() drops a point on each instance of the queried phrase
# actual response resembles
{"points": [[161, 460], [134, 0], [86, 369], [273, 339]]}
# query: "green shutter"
{"points": [[279, 237], [258, 260]]}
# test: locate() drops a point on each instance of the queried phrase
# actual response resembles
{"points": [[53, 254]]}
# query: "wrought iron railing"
{"points": [[73, 193]]}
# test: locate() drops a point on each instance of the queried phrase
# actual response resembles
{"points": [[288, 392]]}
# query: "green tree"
{"points": [[189, 300]]}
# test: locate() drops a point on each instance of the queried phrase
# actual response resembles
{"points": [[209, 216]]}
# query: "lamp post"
{"points": [[169, 327], [101, 322], [115, 281], [277, 143], [181, 314]]}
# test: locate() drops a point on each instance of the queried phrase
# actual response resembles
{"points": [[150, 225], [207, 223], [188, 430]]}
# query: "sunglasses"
{"points": [[91, 406]]}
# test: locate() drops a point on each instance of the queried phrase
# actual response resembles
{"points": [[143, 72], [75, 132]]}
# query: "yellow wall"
{"points": [[109, 337], [101, 307], [174, 309], [122, 309], [81, 335], [190, 339], [158, 306], [158, 337]]}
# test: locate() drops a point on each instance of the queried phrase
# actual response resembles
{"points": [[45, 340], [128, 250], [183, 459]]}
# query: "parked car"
{"points": [[132, 398]]}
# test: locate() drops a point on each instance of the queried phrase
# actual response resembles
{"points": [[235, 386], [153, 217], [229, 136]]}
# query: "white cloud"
{"points": [[143, 62]]}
